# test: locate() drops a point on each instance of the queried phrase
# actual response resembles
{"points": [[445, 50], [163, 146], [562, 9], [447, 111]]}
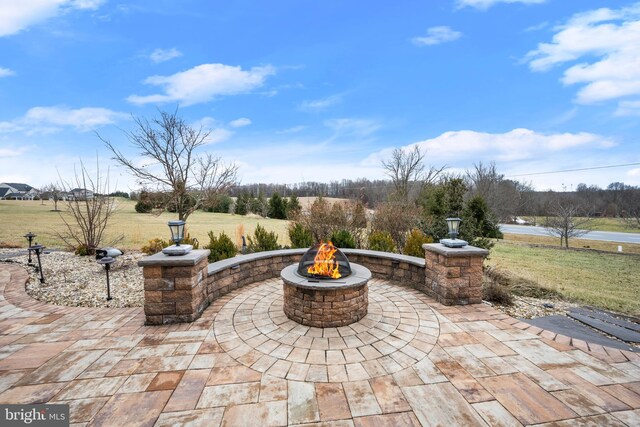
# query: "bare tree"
{"points": [[407, 171], [566, 219], [503, 196], [177, 166], [88, 212], [55, 193], [396, 218]]}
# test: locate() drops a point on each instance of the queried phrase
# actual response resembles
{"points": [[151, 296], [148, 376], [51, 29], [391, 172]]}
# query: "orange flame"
{"points": [[324, 263]]}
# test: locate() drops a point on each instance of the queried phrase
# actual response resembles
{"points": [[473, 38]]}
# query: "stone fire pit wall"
{"points": [[174, 275], [454, 275]]}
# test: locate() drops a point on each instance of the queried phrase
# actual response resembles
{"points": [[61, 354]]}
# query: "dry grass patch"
{"points": [[18, 217], [606, 280]]}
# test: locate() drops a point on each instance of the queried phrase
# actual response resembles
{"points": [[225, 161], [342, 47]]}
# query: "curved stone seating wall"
{"points": [[177, 289], [233, 273]]}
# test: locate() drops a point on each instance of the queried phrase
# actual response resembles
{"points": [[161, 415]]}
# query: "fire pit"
{"points": [[325, 289]]}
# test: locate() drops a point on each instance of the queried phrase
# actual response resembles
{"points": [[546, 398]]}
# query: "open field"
{"points": [[574, 243], [606, 280], [18, 217], [597, 224]]}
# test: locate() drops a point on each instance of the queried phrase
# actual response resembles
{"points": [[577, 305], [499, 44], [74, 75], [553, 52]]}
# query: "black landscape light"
{"points": [[37, 249], [107, 261], [453, 224], [30, 236]]}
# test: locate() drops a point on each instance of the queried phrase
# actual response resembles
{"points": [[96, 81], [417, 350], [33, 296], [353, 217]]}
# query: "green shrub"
{"points": [[263, 240], [381, 241], [221, 247], [416, 239], [300, 237], [154, 246], [83, 250], [343, 239], [144, 206]]}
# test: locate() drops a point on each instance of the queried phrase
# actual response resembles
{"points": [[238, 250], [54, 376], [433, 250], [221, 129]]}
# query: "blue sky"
{"points": [[306, 90]]}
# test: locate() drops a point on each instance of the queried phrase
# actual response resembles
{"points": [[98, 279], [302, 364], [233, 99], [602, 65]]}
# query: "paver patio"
{"points": [[410, 361]]}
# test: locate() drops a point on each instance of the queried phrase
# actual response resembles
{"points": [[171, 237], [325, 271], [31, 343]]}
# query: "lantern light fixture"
{"points": [[177, 236], [453, 224]]}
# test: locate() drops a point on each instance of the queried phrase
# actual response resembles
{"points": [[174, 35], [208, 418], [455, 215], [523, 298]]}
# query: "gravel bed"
{"points": [[76, 281], [530, 308]]}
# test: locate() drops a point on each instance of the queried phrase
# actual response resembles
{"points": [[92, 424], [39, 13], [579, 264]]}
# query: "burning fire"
{"points": [[324, 263]]}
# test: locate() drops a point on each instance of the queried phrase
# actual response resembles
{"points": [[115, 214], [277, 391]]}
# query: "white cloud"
{"points": [[51, 119], [162, 55], [294, 129], [321, 104], [5, 72], [16, 16], [437, 35], [353, 127], [467, 146], [607, 42], [218, 135], [217, 131], [628, 108], [241, 122], [486, 4], [203, 83], [635, 172]]}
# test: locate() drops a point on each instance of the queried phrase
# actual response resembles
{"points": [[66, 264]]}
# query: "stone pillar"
{"points": [[175, 287], [454, 275]]}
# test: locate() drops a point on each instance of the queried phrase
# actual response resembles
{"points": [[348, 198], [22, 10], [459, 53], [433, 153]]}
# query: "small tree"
{"points": [[396, 218], [293, 207], [277, 207], [263, 240], [242, 204], [406, 170], [87, 218], [55, 194], [176, 164], [563, 220]]}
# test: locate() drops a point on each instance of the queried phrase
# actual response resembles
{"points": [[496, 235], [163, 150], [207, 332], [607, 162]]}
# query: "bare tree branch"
{"points": [[173, 146], [406, 170]]}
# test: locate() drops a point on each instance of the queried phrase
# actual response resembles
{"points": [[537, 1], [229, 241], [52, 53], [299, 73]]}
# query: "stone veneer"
{"points": [[454, 275], [326, 303], [174, 287], [190, 284]]}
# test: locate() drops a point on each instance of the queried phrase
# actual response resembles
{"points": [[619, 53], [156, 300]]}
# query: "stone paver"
{"points": [[410, 361]]}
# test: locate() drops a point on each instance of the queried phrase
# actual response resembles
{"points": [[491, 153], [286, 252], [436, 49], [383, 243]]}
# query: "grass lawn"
{"points": [[18, 217], [606, 280], [598, 224], [574, 243]]}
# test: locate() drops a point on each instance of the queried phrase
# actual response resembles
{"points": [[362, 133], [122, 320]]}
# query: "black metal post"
{"points": [[37, 248], [107, 261], [107, 266]]}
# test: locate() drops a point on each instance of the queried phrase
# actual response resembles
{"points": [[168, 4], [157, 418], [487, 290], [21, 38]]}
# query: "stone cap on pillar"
{"points": [[465, 251], [160, 259]]}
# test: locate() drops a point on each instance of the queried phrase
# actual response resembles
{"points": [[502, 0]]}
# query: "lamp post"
{"points": [[107, 261], [37, 249], [177, 235], [453, 224], [30, 236]]}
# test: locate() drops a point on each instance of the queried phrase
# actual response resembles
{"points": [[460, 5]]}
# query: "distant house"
{"points": [[17, 191], [80, 194]]}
